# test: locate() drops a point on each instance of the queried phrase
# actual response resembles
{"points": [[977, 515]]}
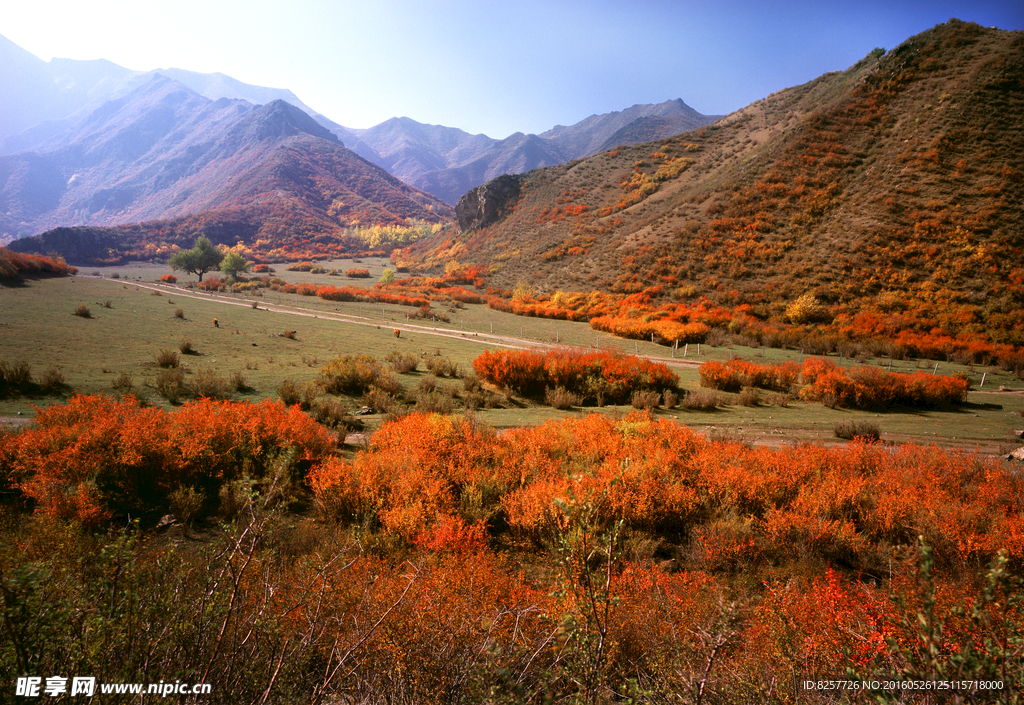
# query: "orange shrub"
{"points": [[732, 375], [602, 376], [15, 264], [833, 504], [865, 387], [95, 457], [414, 479]]}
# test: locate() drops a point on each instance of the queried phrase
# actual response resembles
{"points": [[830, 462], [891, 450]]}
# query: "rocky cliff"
{"points": [[486, 203]]}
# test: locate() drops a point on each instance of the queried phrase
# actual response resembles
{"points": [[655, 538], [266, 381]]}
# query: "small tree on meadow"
{"points": [[233, 264], [199, 260], [387, 277]]}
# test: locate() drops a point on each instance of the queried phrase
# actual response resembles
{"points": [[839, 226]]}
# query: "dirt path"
{"points": [[506, 341]]}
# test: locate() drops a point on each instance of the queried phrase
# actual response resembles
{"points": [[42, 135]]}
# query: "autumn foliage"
{"points": [[17, 264], [605, 376], [448, 555], [860, 387], [872, 388], [736, 373], [95, 457]]}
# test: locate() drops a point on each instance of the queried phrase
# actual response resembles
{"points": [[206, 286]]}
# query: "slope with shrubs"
{"points": [[874, 203], [16, 265]]}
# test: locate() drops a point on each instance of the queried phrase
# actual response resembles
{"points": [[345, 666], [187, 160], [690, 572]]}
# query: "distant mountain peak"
{"points": [[281, 119]]}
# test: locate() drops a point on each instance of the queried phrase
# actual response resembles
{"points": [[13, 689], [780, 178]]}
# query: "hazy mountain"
{"points": [[898, 182], [592, 134], [447, 162], [163, 151], [42, 99]]}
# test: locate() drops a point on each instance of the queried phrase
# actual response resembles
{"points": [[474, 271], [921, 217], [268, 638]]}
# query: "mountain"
{"points": [[891, 189], [42, 99], [164, 152], [447, 161], [594, 133]]}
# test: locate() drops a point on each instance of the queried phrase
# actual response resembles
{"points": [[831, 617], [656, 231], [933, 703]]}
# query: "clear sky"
{"points": [[489, 66]]}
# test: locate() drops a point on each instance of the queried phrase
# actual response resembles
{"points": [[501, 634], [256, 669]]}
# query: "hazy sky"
{"points": [[486, 66]]}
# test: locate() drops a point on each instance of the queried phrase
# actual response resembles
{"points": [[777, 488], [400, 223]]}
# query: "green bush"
{"points": [[356, 374]]}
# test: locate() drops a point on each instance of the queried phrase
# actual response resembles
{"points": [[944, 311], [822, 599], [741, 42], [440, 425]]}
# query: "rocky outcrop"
{"points": [[486, 204]]}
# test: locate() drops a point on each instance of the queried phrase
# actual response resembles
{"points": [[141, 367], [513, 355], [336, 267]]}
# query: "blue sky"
{"points": [[491, 67]]}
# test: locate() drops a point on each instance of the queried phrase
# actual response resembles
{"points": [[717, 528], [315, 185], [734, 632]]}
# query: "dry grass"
{"points": [[701, 400], [857, 429], [170, 384], [167, 359], [645, 400], [561, 398]]}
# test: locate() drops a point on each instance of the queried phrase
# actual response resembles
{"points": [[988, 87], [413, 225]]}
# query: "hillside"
{"points": [[267, 175], [884, 198]]}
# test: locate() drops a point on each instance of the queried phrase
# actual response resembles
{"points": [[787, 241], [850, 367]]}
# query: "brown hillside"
{"points": [[895, 185]]}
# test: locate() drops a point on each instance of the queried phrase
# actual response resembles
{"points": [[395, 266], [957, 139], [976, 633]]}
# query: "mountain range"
{"points": [[447, 162], [42, 100], [173, 159]]}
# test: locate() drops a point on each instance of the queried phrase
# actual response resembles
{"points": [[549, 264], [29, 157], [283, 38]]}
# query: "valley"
{"points": [[654, 408]]}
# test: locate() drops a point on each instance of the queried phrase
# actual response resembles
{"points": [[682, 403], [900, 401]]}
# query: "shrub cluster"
{"points": [[601, 377], [857, 429], [357, 374], [860, 387], [782, 559], [16, 264], [849, 504], [96, 457], [664, 331], [172, 384], [866, 387], [735, 374]]}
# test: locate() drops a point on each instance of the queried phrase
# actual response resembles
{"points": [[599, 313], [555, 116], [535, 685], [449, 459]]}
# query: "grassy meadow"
{"points": [[133, 317]]}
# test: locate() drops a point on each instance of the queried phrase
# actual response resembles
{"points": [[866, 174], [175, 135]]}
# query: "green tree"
{"points": [[387, 276], [199, 260], [233, 264]]}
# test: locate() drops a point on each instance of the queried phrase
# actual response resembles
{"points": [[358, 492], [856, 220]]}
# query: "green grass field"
{"points": [[133, 319]]}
